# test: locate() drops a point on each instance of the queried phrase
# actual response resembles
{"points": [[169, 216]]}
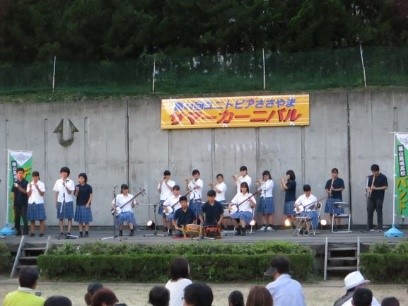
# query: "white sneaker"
{"points": [[269, 228], [263, 228], [372, 230]]}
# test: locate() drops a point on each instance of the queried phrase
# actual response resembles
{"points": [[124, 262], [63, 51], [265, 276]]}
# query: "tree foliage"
{"points": [[128, 29]]}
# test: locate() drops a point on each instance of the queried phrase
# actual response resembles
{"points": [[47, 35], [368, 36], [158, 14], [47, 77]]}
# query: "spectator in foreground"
{"points": [[198, 294], [259, 296], [159, 296], [92, 288], [58, 300], [390, 301], [353, 281], [104, 297], [25, 294], [236, 298], [179, 279], [284, 290], [362, 297]]}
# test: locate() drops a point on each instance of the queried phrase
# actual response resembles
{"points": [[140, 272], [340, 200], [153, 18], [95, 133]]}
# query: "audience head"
{"points": [[104, 297], [58, 300], [159, 296], [390, 301], [92, 288], [198, 294], [236, 298], [279, 265], [179, 268], [354, 280], [28, 277], [259, 296], [362, 297]]}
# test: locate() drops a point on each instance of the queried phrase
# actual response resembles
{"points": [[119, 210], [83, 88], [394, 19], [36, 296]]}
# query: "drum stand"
{"points": [[155, 233], [115, 236]]}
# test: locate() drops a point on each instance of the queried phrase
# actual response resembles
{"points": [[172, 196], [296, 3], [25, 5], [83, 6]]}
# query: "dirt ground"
{"points": [[317, 294]]}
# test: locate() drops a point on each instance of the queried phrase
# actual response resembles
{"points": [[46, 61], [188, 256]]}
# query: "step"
{"points": [[26, 266], [28, 258], [343, 249], [33, 249], [350, 268], [341, 258]]}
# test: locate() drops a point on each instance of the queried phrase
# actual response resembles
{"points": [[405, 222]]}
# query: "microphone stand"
{"points": [[114, 216], [155, 233]]}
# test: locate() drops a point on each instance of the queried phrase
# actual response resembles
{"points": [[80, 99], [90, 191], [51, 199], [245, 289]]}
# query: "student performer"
{"points": [[83, 213], [36, 209], [266, 204], [124, 204], [165, 188], [64, 200], [245, 203]]}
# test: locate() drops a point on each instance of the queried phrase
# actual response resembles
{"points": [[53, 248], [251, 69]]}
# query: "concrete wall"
{"points": [[120, 140]]}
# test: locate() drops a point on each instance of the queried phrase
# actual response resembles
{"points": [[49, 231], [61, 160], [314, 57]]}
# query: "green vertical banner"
{"points": [[16, 159], [401, 171]]}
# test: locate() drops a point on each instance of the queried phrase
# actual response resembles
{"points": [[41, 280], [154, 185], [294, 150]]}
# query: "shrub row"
{"points": [[154, 268], [101, 248], [385, 262], [5, 258]]}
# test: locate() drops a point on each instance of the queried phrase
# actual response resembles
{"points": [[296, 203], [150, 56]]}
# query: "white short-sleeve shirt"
{"points": [[62, 190], [35, 196]]}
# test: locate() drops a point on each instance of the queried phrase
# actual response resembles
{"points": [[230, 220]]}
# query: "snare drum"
{"points": [[192, 230], [213, 232]]}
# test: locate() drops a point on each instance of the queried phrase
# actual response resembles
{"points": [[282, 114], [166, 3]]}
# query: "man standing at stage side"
{"points": [[165, 188], [376, 186], [20, 202]]}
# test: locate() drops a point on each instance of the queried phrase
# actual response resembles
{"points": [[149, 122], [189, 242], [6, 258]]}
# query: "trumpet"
{"points": [[235, 177]]}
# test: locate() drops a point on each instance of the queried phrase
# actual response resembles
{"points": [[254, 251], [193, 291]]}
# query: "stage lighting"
{"points": [[288, 223], [323, 222], [252, 223], [150, 224]]}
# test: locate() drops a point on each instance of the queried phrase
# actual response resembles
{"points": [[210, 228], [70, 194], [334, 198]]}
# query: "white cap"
{"points": [[354, 279]]}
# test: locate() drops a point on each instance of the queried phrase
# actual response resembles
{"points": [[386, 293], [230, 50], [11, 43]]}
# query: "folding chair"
{"points": [[343, 213], [304, 221]]}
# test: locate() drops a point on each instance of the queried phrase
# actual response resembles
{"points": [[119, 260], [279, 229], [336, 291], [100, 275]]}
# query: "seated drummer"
{"points": [[183, 216], [212, 210], [307, 203]]}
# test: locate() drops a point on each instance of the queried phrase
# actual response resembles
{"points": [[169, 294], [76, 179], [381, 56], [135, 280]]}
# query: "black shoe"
{"points": [[41, 235], [120, 233], [238, 231], [306, 233], [131, 232], [86, 235], [301, 232], [81, 235], [243, 232], [32, 235]]}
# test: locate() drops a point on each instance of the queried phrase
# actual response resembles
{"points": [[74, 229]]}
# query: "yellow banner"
{"points": [[225, 112]]}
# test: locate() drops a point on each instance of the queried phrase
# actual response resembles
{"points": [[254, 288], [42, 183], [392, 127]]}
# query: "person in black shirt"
{"points": [[376, 186], [334, 188], [212, 211], [183, 216], [83, 213], [288, 184], [20, 202]]}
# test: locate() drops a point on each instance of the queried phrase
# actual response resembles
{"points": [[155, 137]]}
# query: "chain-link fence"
{"points": [[255, 71]]}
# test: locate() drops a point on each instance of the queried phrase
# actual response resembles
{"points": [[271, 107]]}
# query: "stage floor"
{"points": [[144, 236]]}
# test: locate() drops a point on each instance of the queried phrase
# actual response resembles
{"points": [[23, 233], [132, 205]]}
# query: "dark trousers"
{"points": [[375, 204], [20, 212]]}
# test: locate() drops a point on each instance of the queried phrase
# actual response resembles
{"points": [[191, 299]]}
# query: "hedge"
{"points": [[215, 262], [386, 263], [154, 268], [5, 258]]}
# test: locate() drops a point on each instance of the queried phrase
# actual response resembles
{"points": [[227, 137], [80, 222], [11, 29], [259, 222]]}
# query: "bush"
{"points": [[5, 258], [149, 263], [386, 263]]}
